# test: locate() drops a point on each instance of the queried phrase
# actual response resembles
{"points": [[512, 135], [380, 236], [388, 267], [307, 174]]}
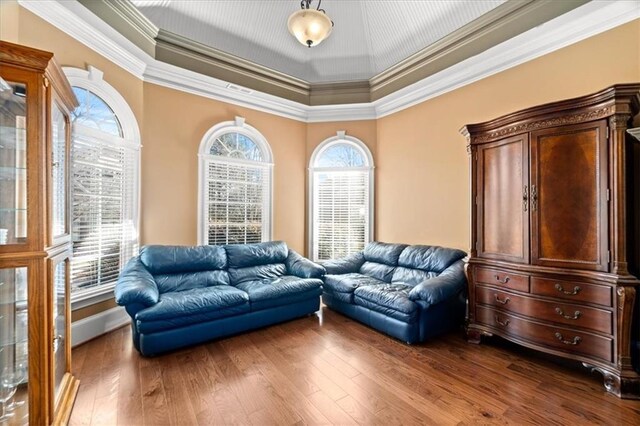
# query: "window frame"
{"points": [[92, 80], [340, 138], [204, 157]]}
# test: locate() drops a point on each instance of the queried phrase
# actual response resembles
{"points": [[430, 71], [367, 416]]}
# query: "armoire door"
{"points": [[569, 197], [503, 199]]}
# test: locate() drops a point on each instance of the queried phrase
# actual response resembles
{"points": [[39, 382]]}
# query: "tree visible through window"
{"points": [[104, 168], [341, 217], [235, 186]]}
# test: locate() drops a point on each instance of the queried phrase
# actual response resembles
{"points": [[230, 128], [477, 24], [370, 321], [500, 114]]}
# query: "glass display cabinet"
{"points": [[36, 384]]}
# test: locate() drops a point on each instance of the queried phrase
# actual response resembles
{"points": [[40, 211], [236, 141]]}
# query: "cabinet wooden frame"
{"points": [[603, 276], [40, 250]]}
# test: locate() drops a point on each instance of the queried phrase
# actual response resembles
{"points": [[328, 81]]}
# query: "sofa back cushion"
{"points": [[381, 260], [179, 268], [417, 263], [385, 253], [245, 255], [258, 261]]}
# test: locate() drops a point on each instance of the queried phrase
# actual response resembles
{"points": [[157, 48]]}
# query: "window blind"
{"points": [[104, 203], [341, 202], [237, 202]]}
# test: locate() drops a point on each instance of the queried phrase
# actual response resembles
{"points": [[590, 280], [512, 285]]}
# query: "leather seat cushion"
{"points": [[347, 283], [193, 302], [182, 321], [268, 293], [388, 299]]}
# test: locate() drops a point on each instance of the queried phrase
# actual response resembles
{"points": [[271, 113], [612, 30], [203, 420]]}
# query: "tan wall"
{"points": [[422, 164], [174, 125]]}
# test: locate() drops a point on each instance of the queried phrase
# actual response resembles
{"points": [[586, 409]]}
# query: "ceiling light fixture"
{"points": [[310, 26]]}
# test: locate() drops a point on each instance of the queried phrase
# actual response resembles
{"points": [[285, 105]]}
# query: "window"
{"points": [[341, 183], [105, 151], [235, 185]]}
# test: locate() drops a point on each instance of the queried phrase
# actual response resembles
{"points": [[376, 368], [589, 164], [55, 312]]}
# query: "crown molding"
{"points": [[579, 24], [86, 27]]}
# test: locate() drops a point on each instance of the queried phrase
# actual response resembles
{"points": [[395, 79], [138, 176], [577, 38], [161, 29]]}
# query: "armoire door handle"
{"points": [[534, 198], [525, 198]]}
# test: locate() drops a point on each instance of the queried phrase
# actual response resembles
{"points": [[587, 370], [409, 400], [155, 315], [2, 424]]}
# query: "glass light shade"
{"points": [[310, 26]]}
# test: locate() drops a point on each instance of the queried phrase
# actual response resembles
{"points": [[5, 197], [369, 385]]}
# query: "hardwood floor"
{"points": [[330, 369]]}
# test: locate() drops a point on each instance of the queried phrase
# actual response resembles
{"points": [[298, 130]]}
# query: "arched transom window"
{"points": [[235, 185], [341, 182]]}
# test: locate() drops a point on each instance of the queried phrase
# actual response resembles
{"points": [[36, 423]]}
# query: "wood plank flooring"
{"points": [[328, 369]]}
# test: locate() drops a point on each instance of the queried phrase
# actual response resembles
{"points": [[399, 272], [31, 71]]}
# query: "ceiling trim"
{"points": [[583, 22], [502, 23]]}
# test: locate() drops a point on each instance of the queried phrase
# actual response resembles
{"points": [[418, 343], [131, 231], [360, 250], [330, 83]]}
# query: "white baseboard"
{"points": [[98, 324]]}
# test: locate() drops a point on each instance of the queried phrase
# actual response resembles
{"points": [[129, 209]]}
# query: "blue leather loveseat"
{"points": [[409, 292], [178, 296]]}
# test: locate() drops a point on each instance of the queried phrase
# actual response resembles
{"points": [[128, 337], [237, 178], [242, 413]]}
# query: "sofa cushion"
{"points": [[284, 290], [253, 273], [429, 258], [379, 271], [187, 280], [244, 255], [192, 302], [177, 259], [388, 299], [385, 253], [151, 326], [410, 276], [347, 283]]}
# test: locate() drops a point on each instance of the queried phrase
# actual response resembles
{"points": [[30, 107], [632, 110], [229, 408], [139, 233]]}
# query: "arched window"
{"points": [[105, 158], [341, 183], [235, 185]]}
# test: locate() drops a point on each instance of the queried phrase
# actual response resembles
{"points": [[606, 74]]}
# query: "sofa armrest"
{"points": [[302, 267], [136, 285], [346, 265], [446, 285]]}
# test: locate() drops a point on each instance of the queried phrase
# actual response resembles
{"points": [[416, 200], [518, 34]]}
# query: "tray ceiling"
{"points": [[368, 37]]}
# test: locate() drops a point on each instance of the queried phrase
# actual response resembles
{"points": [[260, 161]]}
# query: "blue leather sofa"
{"points": [[179, 296], [409, 292]]}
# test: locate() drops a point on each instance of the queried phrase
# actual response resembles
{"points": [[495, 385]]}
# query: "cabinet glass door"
{"points": [[60, 301], [13, 346], [58, 171], [13, 163]]}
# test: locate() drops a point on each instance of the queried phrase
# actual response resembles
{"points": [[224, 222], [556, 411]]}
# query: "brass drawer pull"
{"points": [[576, 340], [504, 324], [575, 316], [575, 291], [504, 281], [502, 301]]}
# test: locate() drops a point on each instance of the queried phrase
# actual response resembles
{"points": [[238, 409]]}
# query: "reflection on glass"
{"points": [[13, 163], [59, 312], [13, 345], [58, 170]]}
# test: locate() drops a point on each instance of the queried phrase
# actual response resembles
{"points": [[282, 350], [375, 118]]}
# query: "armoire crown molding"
{"points": [[85, 26]]}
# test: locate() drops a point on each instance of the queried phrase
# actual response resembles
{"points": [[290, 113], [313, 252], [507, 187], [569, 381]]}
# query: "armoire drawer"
{"points": [[572, 290], [599, 320], [559, 338], [498, 278]]}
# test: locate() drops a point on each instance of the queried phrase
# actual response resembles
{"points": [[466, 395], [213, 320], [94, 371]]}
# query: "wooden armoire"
{"points": [[555, 232]]}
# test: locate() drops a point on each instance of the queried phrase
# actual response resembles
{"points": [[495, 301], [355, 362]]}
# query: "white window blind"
{"points": [[104, 206], [341, 216], [341, 200], [235, 185], [236, 202]]}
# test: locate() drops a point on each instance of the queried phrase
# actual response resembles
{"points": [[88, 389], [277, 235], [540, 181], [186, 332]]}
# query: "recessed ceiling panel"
{"points": [[368, 37]]}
